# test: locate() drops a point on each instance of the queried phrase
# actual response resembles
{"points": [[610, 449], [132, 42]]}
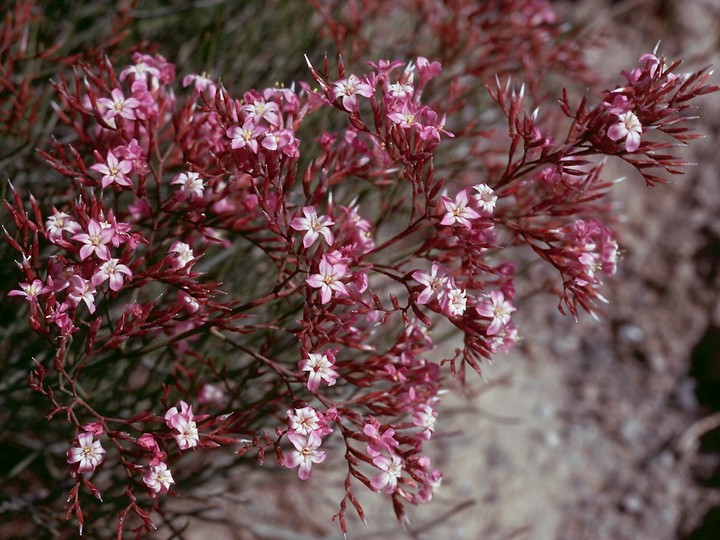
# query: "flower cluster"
{"points": [[221, 252]]}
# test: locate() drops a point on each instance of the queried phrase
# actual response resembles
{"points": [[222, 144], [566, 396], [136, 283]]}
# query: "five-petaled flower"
{"points": [[158, 478], [183, 421], [485, 198], [391, 468], [95, 241], [58, 223], [629, 127], [458, 211], [434, 283], [320, 367], [30, 290], [305, 454], [114, 271], [114, 171], [314, 226], [190, 184], [328, 278], [498, 309], [118, 105], [348, 90], [87, 455], [182, 255]]}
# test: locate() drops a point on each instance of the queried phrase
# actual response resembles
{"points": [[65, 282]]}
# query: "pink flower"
{"points": [[114, 171], [246, 136], [425, 418], [190, 184], [183, 255], [95, 241], [140, 71], [455, 301], [282, 140], [113, 271], [183, 422], [629, 127], [328, 278], [434, 283], [81, 290], [202, 83], [305, 454], [118, 105], [391, 468], [87, 455], [407, 116], [262, 110], [320, 368], [348, 89], [314, 226], [58, 223], [458, 211], [158, 478], [379, 440], [498, 309], [30, 290], [304, 421]]}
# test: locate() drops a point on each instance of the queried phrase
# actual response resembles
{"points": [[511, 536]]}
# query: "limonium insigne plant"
{"points": [[215, 270]]}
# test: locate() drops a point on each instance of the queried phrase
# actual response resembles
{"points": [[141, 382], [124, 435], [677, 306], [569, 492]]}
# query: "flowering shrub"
{"points": [[216, 270]]}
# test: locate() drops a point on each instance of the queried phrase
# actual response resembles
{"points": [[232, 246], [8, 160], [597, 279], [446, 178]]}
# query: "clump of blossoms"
{"points": [[251, 296]]}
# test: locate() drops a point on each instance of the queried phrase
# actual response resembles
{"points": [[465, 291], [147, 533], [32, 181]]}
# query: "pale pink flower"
{"points": [[434, 283], [328, 278], [113, 271], [400, 91], [391, 468], [458, 211], [190, 184], [425, 418], [262, 110], [407, 116], [320, 367], [30, 290], [183, 255], [81, 290], [629, 127], [140, 71], [282, 140], [485, 198], [183, 422], [498, 309], [304, 421], [314, 226], [158, 478], [87, 455], [246, 136], [118, 105], [455, 301], [114, 171], [202, 83], [95, 241], [305, 454], [348, 90], [58, 223], [379, 441]]}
